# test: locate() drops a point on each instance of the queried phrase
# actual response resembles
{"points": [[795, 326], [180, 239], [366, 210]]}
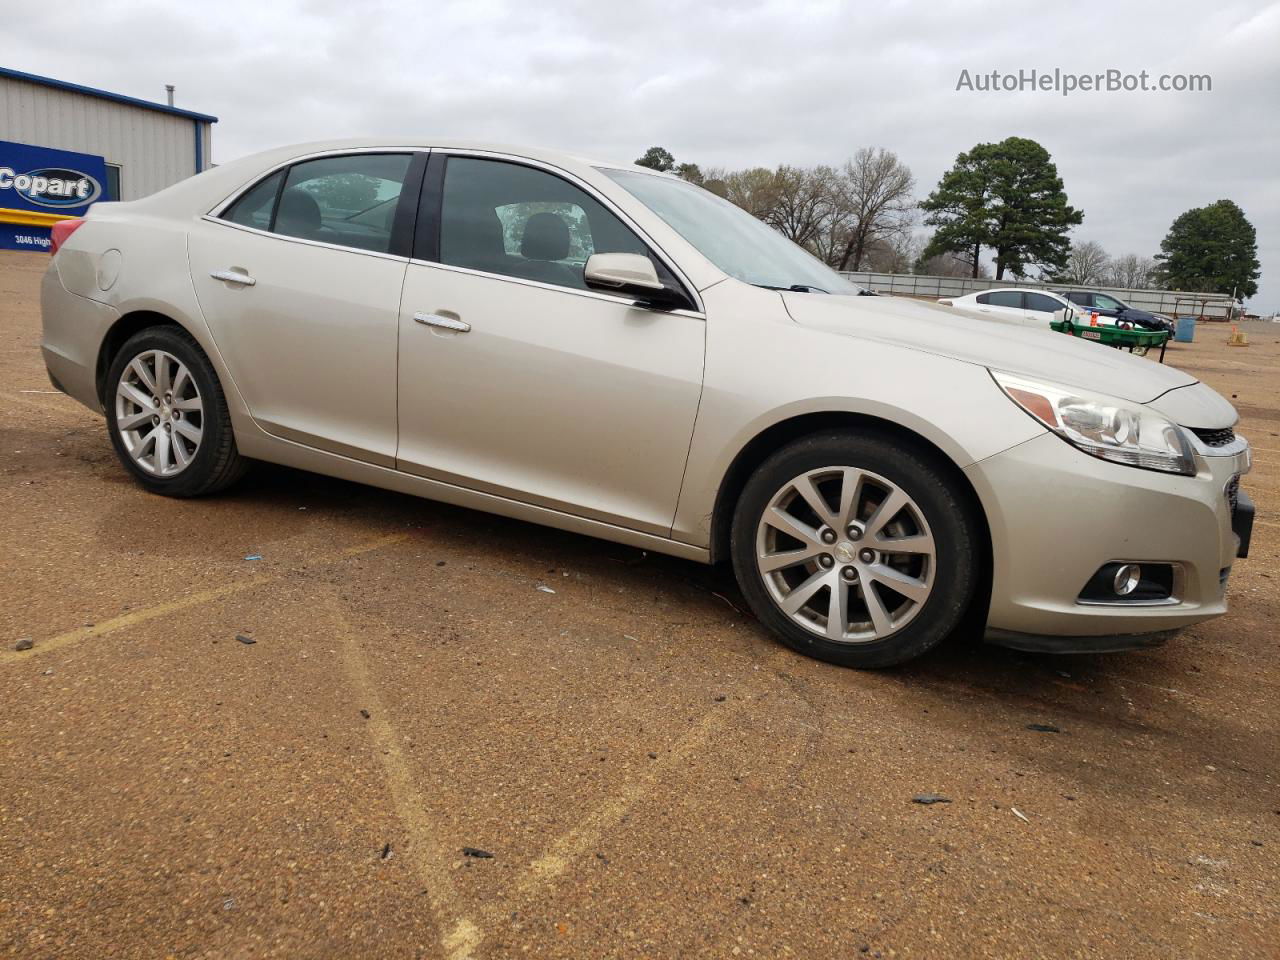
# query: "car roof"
{"points": [[1014, 290], [207, 188]]}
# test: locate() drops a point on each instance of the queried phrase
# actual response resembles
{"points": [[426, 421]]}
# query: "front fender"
{"points": [[763, 369]]}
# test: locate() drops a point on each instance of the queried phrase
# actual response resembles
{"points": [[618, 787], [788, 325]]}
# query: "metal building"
{"points": [[117, 148]]}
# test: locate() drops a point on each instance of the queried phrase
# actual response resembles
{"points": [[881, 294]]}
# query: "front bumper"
{"points": [[1057, 515]]}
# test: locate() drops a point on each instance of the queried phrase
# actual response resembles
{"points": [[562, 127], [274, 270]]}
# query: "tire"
{"points": [[936, 566], [175, 465]]}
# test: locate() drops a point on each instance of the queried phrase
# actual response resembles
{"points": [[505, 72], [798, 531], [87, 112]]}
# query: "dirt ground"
{"points": [[652, 774]]}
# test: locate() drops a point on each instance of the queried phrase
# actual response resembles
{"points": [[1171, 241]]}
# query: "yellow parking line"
{"points": [[424, 853], [543, 872], [134, 617]]}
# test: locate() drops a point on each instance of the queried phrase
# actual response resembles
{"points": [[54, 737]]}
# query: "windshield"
{"points": [[728, 236]]}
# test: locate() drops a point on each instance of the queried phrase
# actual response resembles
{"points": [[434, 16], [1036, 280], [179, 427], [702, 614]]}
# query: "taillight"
{"points": [[61, 231]]}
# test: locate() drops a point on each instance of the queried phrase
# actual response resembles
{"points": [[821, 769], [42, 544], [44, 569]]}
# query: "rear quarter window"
{"points": [[256, 205]]}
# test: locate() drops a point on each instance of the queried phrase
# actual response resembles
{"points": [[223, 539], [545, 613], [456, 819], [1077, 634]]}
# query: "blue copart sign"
{"points": [[39, 185]]}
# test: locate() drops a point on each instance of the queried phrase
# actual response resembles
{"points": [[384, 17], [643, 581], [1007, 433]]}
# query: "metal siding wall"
{"points": [[154, 150]]}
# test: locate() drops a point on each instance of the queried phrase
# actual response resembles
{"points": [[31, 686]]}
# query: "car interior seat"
{"points": [[472, 237], [299, 214], [546, 242]]}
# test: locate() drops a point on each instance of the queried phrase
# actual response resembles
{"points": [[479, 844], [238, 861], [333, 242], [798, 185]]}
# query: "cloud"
{"points": [[728, 84]]}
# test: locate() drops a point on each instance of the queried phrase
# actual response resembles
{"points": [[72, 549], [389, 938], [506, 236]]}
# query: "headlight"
{"points": [[1105, 427]]}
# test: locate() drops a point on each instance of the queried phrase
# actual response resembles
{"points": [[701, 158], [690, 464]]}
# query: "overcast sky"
{"points": [[726, 84]]}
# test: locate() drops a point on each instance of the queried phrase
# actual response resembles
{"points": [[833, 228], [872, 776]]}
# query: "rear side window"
{"points": [[1081, 298], [349, 201], [1002, 298], [255, 206], [1042, 303]]}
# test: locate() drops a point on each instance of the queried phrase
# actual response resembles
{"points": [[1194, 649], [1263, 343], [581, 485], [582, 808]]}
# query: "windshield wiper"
{"points": [[794, 288]]}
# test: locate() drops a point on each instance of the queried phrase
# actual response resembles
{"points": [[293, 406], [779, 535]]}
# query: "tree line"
{"points": [[1003, 199]]}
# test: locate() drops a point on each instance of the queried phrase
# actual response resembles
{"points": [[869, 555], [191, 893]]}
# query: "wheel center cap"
{"points": [[845, 551]]}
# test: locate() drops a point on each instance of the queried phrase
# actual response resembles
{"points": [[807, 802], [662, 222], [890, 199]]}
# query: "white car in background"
{"points": [[1029, 308]]}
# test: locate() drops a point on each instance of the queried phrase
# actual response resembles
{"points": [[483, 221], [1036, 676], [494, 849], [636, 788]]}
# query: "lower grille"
{"points": [[1233, 492]]}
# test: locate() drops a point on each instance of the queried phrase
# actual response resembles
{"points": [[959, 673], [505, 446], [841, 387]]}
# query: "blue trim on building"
{"points": [[106, 95]]}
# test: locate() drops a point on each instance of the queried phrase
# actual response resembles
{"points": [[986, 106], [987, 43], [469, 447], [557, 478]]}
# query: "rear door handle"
{"points": [[234, 276], [446, 323]]}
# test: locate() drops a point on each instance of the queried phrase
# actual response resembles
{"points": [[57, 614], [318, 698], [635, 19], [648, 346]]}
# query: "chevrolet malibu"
{"points": [[613, 351]]}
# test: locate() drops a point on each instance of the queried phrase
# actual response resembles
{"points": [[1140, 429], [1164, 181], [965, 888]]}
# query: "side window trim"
{"points": [[426, 245]]}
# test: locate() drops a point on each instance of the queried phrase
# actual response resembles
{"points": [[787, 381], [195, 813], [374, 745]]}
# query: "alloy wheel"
{"points": [[846, 554], [159, 413]]}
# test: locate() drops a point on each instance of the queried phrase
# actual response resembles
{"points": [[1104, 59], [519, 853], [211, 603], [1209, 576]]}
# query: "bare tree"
{"points": [[897, 253], [754, 190], [802, 202], [1132, 272], [713, 179], [1087, 264], [873, 202]]}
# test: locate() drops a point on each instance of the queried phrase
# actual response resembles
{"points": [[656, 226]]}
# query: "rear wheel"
{"points": [[167, 415], [856, 550]]}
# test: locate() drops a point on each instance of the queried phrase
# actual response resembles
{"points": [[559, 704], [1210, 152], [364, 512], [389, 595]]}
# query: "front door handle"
{"points": [[446, 323], [234, 276]]}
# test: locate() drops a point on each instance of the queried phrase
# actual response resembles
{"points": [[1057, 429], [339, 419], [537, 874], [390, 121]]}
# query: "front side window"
{"points": [[349, 201], [1103, 302], [520, 222], [1042, 303]]}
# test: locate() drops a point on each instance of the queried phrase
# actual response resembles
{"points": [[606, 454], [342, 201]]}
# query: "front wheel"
{"points": [[167, 415], [855, 549]]}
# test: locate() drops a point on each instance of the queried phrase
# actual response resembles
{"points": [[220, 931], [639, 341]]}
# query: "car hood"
{"points": [[972, 338]]}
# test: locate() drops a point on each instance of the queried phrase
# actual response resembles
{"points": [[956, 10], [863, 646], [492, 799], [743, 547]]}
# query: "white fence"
{"points": [[1173, 303]]}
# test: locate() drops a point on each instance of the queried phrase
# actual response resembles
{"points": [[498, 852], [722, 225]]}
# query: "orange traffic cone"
{"points": [[1093, 318]]}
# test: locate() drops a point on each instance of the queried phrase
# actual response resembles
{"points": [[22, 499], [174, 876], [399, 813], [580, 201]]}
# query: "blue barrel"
{"points": [[1186, 330]]}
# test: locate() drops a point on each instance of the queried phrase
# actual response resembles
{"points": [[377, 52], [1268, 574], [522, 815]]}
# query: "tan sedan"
{"points": [[613, 351]]}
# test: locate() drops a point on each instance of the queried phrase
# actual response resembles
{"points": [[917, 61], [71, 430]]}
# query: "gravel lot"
{"points": [[652, 774]]}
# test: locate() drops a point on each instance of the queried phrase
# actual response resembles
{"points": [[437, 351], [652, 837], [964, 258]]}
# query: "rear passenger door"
{"points": [[299, 279], [1002, 304]]}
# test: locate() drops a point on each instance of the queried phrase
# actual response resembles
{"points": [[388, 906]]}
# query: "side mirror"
{"points": [[631, 275]]}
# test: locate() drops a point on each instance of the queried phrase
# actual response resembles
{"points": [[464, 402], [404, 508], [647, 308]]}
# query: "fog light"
{"points": [[1127, 579], [1126, 582]]}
